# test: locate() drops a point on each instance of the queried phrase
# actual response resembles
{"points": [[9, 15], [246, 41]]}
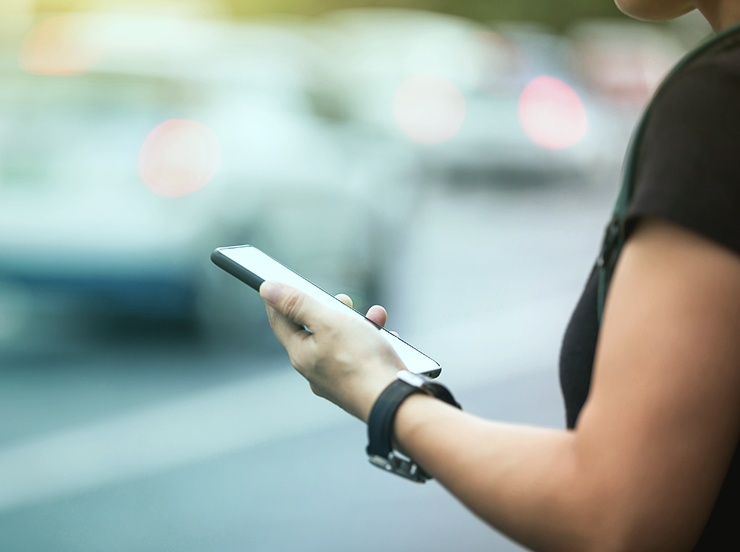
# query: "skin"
{"points": [[719, 13], [643, 467]]}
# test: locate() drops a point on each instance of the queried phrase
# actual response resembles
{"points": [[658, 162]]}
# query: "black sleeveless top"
{"points": [[688, 172]]}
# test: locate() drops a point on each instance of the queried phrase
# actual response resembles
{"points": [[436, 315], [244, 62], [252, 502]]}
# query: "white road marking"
{"points": [[161, 437]]}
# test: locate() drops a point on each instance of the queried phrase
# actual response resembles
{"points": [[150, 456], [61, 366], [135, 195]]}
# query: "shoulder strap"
{"points": [[614, 235]]}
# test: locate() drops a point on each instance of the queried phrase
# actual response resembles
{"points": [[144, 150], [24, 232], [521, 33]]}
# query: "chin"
{"points": [[654, 10]]}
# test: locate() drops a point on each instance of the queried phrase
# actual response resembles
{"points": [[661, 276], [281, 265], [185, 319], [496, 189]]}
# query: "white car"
{"points": [[621, 63], [101, 212], [466, 97]]}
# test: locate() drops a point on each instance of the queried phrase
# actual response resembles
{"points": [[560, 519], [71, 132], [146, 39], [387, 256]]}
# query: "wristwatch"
{"points": [[380, 425]]}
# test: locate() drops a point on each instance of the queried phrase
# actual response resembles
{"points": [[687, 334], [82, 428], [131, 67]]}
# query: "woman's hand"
{"points": [[343, 357], [376, 313]]}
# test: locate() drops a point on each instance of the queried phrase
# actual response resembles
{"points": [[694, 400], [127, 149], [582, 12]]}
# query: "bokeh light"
{"points": [[551, 113], [429, 109], [178, 157], [59, 45]]}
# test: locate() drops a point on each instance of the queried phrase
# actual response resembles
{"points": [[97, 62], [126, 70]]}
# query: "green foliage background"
{"points": [[556, 13]]}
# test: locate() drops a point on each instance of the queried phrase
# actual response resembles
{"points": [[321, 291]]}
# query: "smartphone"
{"points": [[252, 266]]}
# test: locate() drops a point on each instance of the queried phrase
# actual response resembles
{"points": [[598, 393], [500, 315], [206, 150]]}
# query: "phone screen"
{"points": [[252, 266]]}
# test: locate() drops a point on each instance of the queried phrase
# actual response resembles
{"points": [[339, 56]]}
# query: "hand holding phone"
{"points": [[252, 266]]}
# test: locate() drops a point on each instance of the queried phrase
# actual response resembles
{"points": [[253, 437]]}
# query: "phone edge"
{"points": [[252, 280], [236, 270]]}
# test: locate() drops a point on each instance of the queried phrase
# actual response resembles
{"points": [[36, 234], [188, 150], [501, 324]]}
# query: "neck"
{"points": [[720, 13]]}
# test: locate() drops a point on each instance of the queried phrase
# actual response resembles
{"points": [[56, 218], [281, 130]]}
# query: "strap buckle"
{"points": [[395, 463]]}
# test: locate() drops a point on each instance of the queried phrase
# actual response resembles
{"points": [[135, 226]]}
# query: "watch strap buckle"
{"points": [[395, 463]]}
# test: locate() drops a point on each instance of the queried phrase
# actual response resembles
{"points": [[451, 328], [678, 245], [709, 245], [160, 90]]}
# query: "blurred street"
{"points": [[146, 446], [457, 166]]}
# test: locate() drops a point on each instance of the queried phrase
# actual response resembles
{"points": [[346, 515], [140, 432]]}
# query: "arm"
{"points": [[645, 463]]}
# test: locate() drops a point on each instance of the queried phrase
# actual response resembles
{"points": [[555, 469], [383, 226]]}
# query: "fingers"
{"points": [[346, 299], [284, 329], [295, 305], [378, 315], [290, 310]]}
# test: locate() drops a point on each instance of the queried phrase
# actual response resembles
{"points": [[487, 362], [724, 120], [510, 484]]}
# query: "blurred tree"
{"points": [[557, 13]]}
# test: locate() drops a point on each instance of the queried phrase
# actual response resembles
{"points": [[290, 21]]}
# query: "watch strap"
{"points": [[380, 425]]}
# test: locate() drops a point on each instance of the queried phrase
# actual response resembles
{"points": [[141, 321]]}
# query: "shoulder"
{"points": [[701, 93], [699, 96], [688, 168], [715, 66]]}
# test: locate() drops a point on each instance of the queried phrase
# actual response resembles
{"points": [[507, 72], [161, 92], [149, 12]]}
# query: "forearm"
{"points": [[643, 468], [525, 481]]}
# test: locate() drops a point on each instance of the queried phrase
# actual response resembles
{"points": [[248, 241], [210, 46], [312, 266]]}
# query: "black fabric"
{"points": [[688, 172], [578, 350]]}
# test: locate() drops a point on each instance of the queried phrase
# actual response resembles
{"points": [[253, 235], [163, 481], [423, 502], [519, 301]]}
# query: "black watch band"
{"points": [[380, 425]]}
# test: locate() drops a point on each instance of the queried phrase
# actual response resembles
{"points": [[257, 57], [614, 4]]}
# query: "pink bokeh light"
{"points": [[178, 157], [551, 113]]}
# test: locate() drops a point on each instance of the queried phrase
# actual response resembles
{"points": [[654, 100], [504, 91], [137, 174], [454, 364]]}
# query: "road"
{"points": [[154, 447]]}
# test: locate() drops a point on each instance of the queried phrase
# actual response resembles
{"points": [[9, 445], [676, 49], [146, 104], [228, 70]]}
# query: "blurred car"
{"points": [[458, 93], [621, 63], [86, 224]]}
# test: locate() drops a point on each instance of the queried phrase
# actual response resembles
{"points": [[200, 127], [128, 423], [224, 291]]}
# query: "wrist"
{"points": [[410, 414], [381, 449], [373, 388]]}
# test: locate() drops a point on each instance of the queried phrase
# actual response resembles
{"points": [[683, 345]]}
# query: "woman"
{"points": [[652, 392]]}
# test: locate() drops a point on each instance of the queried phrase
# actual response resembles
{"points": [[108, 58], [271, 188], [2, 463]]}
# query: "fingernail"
{"points": [[270, 291]]}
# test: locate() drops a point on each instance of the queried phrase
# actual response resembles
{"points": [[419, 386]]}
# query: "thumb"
{"points": [[295, 305]]}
